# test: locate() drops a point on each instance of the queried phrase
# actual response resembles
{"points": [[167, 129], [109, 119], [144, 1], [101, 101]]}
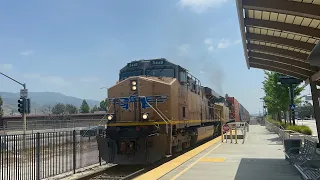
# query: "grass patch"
{"points": [[303, 129]]}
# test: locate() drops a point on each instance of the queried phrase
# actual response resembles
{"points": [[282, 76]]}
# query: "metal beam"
{"points": [[281, 66], [273, 50], [285, 7], [302, 65], [242, 30], [283, 26], [283, 41], [316, 76], [275, 69]]}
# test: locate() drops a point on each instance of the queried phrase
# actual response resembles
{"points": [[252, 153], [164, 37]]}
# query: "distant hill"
{"points": [[40, 99]]}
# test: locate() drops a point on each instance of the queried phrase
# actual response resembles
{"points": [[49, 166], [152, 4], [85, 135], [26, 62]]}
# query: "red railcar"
{"points": [[234, 114]]}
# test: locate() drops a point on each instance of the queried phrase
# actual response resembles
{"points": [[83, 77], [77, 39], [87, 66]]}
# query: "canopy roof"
{"points": [[279, 35]]}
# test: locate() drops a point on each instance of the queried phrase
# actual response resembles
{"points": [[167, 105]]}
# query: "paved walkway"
{"points": [[261, 157]]}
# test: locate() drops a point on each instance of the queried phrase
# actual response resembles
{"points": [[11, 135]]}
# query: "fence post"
{"points": [[38, 155], [74, 152]]}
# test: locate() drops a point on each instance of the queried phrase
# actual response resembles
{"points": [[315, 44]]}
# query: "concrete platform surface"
{"points": [[261, 157]]}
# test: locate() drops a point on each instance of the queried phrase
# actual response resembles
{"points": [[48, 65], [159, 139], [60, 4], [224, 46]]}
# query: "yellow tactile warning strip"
{"points": [[214, 160], [169, 166]]}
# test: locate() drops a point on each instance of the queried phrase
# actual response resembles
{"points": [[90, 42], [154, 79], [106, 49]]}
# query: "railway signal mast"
{"points": [[24, 105]]}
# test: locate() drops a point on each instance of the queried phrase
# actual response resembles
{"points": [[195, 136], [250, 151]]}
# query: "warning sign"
{"points": [[226, 128]]}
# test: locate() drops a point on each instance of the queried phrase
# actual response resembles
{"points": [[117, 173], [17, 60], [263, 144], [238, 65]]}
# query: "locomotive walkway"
{"points": [[260, 157]]}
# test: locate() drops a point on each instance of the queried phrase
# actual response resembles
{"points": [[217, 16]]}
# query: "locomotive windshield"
{"points": [[160, 72], [126, 74]]}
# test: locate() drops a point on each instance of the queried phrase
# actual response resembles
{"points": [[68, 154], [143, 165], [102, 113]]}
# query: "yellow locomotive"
{"points": [[157, 108]]}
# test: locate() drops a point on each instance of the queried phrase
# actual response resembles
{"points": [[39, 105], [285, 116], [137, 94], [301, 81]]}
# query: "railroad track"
{"points": [[125, 172], [122, 172]]}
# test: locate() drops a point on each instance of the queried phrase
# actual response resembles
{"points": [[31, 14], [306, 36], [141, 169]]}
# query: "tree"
{"points": [[305, 110], [84, 108], [1, 110], [277, 97], [71, 109], [95, 108], [59, 109], [46, 109], [103, 105]]}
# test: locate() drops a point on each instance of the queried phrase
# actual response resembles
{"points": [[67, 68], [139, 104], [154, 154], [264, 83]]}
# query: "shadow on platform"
{"points": [[266, 169]]}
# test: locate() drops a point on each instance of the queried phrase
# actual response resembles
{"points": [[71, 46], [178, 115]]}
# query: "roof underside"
{"points": [[279, 35]]}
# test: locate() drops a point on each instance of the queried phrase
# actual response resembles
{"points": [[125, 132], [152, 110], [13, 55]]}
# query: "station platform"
{"points": [[261, 157]]}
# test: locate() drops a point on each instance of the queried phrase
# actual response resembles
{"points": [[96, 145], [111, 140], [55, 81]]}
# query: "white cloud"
{"points": [[89, 79], [6, 66], [208, 42], [200, 6], [223, 43], [237, 41], [26, 52], [183, 49], [210, 48], [53, 80]]}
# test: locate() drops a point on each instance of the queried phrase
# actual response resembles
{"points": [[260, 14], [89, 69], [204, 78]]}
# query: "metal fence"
{"points": [[289, 134], [43, 155], [49, 125]]}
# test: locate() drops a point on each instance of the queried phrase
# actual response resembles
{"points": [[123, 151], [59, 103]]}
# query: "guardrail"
{"points": [[289, 134], [243, 127]]}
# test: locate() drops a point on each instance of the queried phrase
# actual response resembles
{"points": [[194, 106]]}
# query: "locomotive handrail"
{"points": [[100, 119], [161, 111], [159, 115]]}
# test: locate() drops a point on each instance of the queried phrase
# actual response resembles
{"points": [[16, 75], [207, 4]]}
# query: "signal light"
{"points": [[28, 106], [24, 106], [21, 105]]}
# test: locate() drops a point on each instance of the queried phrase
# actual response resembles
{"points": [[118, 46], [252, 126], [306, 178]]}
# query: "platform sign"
{"points": [[23, 93], [289, 80], [292, 106], [226, 127]]}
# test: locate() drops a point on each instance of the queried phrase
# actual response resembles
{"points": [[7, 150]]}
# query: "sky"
{"points": [[76, 47]]}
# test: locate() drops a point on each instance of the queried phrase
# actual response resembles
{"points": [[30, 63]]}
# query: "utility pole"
{"points": [[24, 95]]}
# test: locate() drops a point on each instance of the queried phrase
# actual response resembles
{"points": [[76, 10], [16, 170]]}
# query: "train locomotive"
{"points": [[157, 108]]}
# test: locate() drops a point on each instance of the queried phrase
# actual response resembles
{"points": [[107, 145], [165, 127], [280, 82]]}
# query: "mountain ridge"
{"points": [[40, 99]]}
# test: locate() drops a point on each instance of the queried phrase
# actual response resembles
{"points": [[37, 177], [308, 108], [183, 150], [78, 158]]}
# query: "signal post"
{"points": [[23, 105]]}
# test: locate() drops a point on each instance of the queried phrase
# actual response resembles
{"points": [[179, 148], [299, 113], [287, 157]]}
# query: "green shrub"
{"points": [[276, 123], [301, 129]]}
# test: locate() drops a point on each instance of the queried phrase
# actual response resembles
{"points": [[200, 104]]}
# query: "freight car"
{"points": [[157, 108], [237, 112]]}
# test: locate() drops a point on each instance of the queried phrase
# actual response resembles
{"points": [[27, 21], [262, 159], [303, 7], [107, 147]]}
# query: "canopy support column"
{"points": [[315, 99]]}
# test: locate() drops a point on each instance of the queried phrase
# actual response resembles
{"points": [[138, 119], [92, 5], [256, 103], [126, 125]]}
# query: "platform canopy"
{"points": [[279, 35]]}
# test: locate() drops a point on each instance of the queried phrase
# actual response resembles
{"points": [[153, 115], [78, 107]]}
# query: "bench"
{"points": [[309, 170], [307, 152]]}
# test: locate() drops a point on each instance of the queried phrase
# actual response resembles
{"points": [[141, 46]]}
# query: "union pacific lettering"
{"points": [[126, 103]]}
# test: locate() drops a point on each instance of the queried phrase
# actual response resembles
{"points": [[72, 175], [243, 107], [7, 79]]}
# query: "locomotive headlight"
{"points": [[109, 117], [145, 116], [134, 85]]}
